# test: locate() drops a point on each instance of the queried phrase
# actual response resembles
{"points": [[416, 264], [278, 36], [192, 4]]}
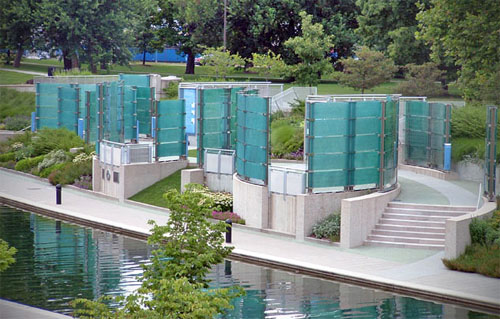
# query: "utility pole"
{"points": [[225, 23]]}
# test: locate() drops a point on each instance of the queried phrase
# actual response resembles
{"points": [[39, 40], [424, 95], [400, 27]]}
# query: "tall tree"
{"points": [[17, 26], [367, 70], [467, 32], [311, 48], [389, 26]]}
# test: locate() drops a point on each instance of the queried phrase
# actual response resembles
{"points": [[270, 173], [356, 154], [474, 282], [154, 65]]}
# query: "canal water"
{"points": [[58, 262]]}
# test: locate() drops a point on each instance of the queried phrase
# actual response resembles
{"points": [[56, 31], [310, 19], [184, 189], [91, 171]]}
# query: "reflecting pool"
{"points": [[58, 262]]}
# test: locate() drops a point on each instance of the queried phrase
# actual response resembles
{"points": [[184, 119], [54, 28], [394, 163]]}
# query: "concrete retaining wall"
{"points": [[430, 172], [251, 202], [457, 229], [131, 178], [219, 182], [359, 216], [474, 171], [188, 176], [5, 135]]}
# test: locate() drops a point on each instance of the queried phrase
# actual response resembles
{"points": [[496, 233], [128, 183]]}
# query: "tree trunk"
{"points": [[75, 64], [19, 55], [104, 65], [7, 61], [144, 57], [190, 63], [66, 60]]}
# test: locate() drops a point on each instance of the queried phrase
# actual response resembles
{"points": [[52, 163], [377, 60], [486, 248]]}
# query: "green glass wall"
{"points": [[427, 129], [170, 129], [252, 144]]}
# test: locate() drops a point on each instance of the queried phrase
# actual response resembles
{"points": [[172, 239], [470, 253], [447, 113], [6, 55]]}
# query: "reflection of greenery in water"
{"points": [[57, 262]]}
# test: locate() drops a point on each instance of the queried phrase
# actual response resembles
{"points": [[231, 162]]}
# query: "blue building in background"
{"points": [[169, 54]]}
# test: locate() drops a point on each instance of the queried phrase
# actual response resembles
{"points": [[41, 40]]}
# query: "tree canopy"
{"points": [[6, 255]]}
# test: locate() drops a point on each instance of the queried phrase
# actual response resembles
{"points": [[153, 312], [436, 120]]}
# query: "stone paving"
{"points": [[405, 270]]}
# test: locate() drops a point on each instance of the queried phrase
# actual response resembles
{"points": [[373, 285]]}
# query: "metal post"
{"points": [[429, 136], [59, 107], [381, 183], [492, 128], [200, 130], [122, 105], [268, 148], [80, 128], [447, 123], [87, 116], [58, 194], [229, 230], [100, 112], [155, 129], [151, 100], [77, 109], [33, 121]]}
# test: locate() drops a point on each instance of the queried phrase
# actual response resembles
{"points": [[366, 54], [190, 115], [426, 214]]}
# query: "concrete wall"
{"points": [[132, 178], [359, 216], [194, 175], [457, 229], [5, 135], [430, 172], [474, 171], [251, 202], [219, 182]]}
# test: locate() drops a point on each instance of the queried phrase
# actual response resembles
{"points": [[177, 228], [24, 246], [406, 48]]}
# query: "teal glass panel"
{"points": [[367, 109], [135, 79], [170, 149], [366, 176], [171, 135], [330, 127], [329, 144], [331, 110], [329, 161], [327, 179]]}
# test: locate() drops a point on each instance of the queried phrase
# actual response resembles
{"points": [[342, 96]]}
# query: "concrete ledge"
{"points": [[447, 176], [359, 216], [457, 229], [251, 202], [5, 135], [194, 175]]}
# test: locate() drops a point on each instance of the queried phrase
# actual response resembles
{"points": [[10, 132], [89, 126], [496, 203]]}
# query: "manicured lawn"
{"points": [[192, 153], [14, 103], [478, 258], [7, 77], [153, 195]]}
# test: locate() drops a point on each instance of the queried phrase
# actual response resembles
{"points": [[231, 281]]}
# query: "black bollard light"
{"points": [[58, 194], [229, 231]]}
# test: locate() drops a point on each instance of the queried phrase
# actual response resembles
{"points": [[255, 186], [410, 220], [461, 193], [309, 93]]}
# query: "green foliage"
{"points": [[220, 62], [47, 140], [10, 156], [466, 32], [25, 165], [8, 77], [311, 49], [468, 121], [479, 259], [70, 172], [13, 104], [153, 195], [485, 232], [6, 255], [48, 170], [71, 72], [54, 157], [24, 151], [328, 228], [368, 70], [287, 136], [422, 80], [219, 200], [268, 65], [235, 218], [17, 122], [172, 91]]}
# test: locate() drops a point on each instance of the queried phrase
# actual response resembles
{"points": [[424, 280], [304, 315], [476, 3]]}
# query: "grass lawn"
{"points": [[192, 153], [7, 77], [153, 195], [14, 103], [477, 258]]}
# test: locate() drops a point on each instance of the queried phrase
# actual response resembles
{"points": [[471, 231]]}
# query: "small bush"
{"points": [[221, 201], [172, 90], [235, 218], [46, 171], [70, 173], [468, 121], [25, 165], [422, 80], [329, 228], [10, 156], [24, 152], [8, 164], [47, 140], [53, 158], [17, 122], [483, 232], [84, 182]]}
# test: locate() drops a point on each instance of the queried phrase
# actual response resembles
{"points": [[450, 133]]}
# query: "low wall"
{"points": [[188, 176], [430, 172], [360, 215], [457, 229], [474, 171], [251, 202], [5, 135], [20, 87], [219, 182], [126, 180]]}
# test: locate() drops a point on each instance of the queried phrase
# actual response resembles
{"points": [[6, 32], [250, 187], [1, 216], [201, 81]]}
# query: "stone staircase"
{"points": [[414, 225]]}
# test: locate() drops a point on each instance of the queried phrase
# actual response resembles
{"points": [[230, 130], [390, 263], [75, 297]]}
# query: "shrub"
{"points": [[483, 232], [172, 90], [8, 164], [10, 156], [47, 140], [422, 80], [286, 136], [84, 182], [220, 201], [13, 103], [328, 228], [235, 218], [477, 258], [53, 158], [468, 121], [25, 165], [17, 122], [24, 152], [46, 171], [70, 173]]}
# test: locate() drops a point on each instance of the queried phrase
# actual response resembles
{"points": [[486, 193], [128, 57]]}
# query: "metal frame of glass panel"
{"points": [[490, 154]]}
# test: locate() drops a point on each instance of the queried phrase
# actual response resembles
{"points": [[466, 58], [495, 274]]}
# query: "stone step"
{"points": [[406, 222], [402, 233], [402, 245], [408, 240], [432, 207], [425, 212], [424, 229], [414, 217]]}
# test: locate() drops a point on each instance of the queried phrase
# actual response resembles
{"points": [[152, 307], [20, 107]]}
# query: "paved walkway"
{"points": [[23, 71], [406, 270], [13, 310]]}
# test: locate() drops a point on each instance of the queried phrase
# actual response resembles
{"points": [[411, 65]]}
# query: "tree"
{"points": [[422, 80], [311, 48], [268, 65], [367, 70], [6, 255], [174, 283], [467, 32], [389, 26], [17, 26], [220, 62]]}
